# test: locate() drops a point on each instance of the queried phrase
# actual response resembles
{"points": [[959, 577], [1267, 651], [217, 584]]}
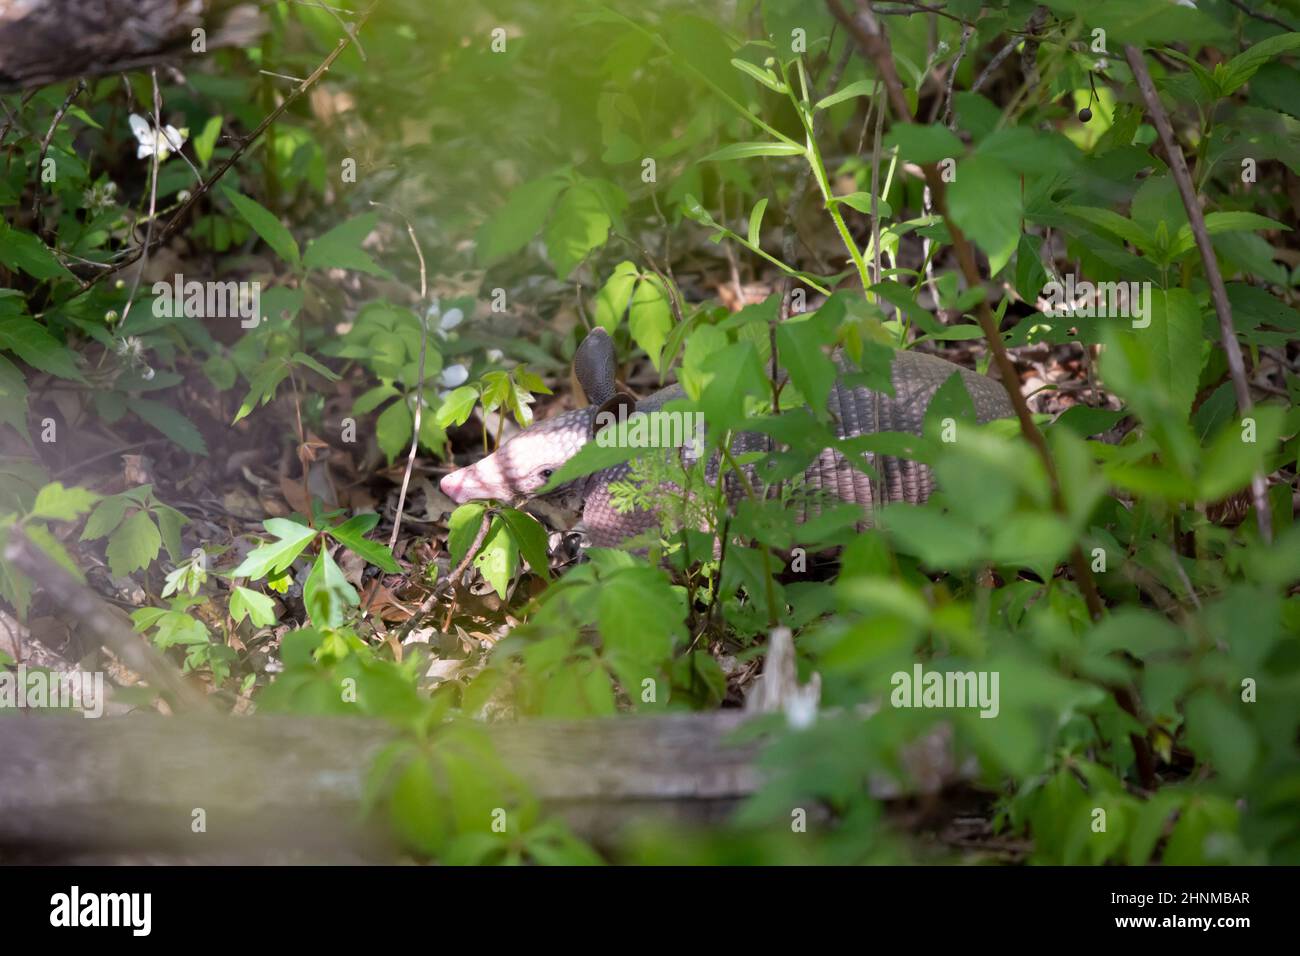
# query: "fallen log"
{"points": [[289, 789], [45, 41]]}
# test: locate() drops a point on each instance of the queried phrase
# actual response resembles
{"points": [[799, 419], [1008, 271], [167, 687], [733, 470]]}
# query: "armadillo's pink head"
{"points": [[521, 466]]}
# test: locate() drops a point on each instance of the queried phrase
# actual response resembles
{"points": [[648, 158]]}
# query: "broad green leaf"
{"points": [[267, 225], [462, 528], [498, 558], [257, 607], [650, 317], [13, 398], [275, 556], [927, 144], [62, 504], [134, 544], [24, 252], [393, 429], [1220, 732], [457, 406], [106, 516], [1114, 223], [351, 534], [801, 346], [206, 141], [518, 221], [29, 340], [985, 203], [170, 521], [579, 224], [327, 594], [340, 248], [368, 401], [615, 296], [1219, 222], [40, 536], [1238, 70], [530, 538], [171, 423], [1238, 451]]}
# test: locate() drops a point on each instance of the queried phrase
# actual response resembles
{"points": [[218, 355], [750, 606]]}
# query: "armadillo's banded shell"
{"points": [[855, 411]]}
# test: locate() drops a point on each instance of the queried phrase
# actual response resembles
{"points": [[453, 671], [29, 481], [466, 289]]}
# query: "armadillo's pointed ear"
{"points": [[617, 408], [593, 363]]}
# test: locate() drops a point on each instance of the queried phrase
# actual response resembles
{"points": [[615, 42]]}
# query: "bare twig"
{"points": [[994, 63], [966, 34], [77, 89], [1218, 291], [419, 389], [1266, 18]]}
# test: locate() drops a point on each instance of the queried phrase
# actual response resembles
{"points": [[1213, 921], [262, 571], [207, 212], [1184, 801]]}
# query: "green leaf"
{"points": [[327, 594], [171, 423], [985, 203], [62, 504], [767, 77], [579, 224], [368, 401], [351, 535], [1219, 222], [29, 340], [858, 88], [170, 521], [862, 203], [107, 516], [457, 406], [756, 221], [518, 220], [1242, 67], [24, 252], [206, 141], [1232, 459], [13, 398], [133, 545], [306, 361], [750, 150], [801, 343], [1221, 734], [462, 529], [498, 559], [340, 248], [290, 540], [530, 538], [257, 607], [615, 296], [266, 225], [393, 429], [927, 144], [650, 317], [1113, 222]]}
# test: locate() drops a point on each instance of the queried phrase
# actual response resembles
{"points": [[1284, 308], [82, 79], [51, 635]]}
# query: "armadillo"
{"points": [[522, 466]]}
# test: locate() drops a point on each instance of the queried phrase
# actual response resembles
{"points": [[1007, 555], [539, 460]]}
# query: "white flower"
{"points": [[453, 376], [446, 322], [495, 355], [171, 140]]}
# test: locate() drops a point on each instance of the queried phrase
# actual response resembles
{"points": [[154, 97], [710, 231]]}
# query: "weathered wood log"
{"points": [[45, 41], [277, 788], [72, 788]]}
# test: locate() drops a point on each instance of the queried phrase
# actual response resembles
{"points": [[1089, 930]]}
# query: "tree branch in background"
{"points": [[1218, 292]]}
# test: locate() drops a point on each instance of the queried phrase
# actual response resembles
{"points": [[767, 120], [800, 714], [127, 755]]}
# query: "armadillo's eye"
{"points": [[546, 474]]}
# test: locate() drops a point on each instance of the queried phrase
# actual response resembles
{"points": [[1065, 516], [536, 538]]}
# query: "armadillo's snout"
{"points": [[476, 482], [458, 486]]}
